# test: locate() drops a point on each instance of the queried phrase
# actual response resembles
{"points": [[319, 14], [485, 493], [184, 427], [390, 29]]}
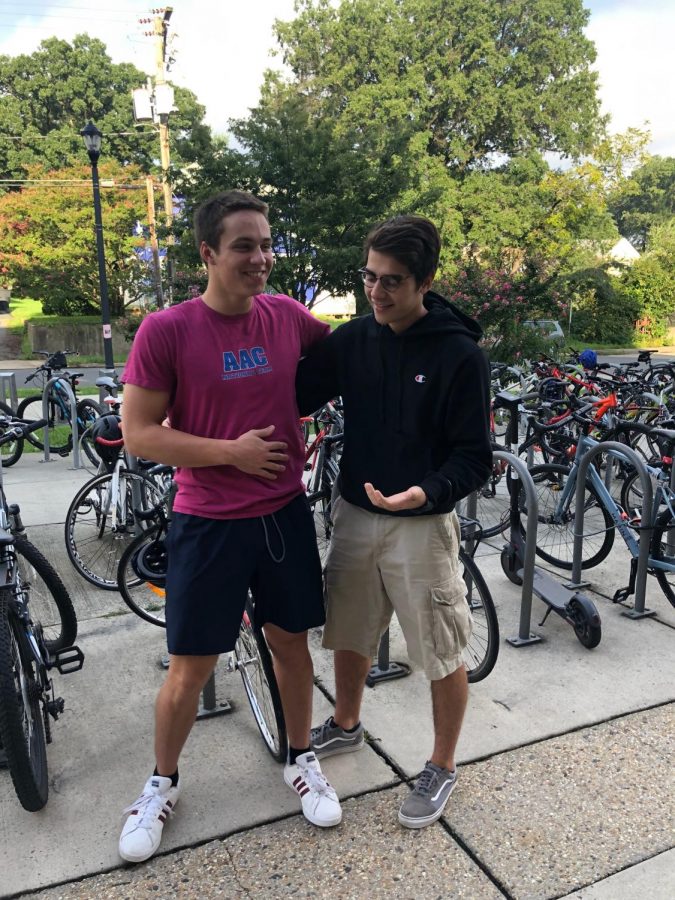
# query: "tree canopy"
{"points": [[478, 78], [48, 96], [645, 199], [48, 241]]}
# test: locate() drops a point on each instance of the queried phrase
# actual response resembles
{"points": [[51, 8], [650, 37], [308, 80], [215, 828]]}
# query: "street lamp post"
{"points": [[92, 141]]}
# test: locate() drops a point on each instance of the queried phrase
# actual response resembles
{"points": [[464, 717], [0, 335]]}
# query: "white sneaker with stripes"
{"points": [[143, 828], [320, 803]]}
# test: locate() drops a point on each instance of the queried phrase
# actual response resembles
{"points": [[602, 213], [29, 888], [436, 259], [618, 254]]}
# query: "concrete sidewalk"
{"points": [[565, 786]]}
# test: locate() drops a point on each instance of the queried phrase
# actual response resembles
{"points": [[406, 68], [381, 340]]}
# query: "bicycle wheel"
{"points": [[10, 453], [22, 731], [58, 424], [141, 575], [254, 662], [88, 411], [555, 525], [48, 600], [662, 551], [492, 502], [320, 502], [480, 654], [100, 523]]}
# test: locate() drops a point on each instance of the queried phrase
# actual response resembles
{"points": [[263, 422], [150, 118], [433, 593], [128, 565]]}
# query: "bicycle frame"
{"points": [[662, 496]]}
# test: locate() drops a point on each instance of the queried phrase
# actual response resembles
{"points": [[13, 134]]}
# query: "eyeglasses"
{"points": [[388, 283]]}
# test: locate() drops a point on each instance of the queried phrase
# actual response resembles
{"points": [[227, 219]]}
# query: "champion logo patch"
{"points": [[420, 379]]}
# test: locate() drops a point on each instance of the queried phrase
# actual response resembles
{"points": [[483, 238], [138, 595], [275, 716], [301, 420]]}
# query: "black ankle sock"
{"points": [[174, 777], [294, 753], [347, 730]]}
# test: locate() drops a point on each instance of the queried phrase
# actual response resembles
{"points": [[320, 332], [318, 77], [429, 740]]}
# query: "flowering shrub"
{"points": [[501, 302], [188, 283]]}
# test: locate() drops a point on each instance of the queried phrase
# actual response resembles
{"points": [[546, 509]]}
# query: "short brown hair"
{"points": [[412, 240], [209, 218]]}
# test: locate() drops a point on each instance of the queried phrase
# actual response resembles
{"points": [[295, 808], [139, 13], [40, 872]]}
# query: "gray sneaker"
{"points": [[428, 798], [329, 739]]}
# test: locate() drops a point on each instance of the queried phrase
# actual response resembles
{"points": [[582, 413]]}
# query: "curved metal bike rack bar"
{"points": [[616, 449], [519, 467], [73, 418]]}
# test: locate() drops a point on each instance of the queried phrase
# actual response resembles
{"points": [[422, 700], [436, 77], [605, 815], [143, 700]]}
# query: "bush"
{"points": [[501, 303], [649, 288], [599, 310]]}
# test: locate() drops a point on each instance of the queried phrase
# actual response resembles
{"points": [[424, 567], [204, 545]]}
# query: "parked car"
{"points": [[549, 328]]}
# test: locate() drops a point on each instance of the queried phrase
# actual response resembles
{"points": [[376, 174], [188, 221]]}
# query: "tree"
{"points": [[48, 242], [48, 96], [324, 191], [480, 78], [645, 199]]}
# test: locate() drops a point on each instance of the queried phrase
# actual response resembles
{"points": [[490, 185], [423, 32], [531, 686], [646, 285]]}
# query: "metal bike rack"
{"points": [[8, 383], [385, 669], [614, 448], [73, 419], [209, 708], [519, 467]]}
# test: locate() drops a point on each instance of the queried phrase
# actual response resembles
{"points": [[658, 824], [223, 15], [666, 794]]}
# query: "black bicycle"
{"points": [[37, 629]]}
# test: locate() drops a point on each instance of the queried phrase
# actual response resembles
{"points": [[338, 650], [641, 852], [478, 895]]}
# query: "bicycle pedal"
{"points": [[70, 659], [55, 707], [63, 453], [622, 595]]}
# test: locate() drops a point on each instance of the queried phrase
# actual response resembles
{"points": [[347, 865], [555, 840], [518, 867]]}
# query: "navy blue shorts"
{"points": [[212, 564]]}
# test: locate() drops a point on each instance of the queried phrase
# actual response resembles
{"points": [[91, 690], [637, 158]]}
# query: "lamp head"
{"points": [[92, 141]]}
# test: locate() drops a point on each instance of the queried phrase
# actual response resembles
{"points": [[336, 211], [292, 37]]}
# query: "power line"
{"points": [[67, 6], [24, 15]]}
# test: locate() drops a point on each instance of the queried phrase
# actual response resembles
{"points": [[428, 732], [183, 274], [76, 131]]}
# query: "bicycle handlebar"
{"points": [[18, 428]]}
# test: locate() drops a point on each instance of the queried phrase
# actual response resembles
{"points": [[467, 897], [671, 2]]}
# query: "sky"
{"points": [[222, 48]]}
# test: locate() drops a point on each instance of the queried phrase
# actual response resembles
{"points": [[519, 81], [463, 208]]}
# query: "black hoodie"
{"points": [[416, 405]]}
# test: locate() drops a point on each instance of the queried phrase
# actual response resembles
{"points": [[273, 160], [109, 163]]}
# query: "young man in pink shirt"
{"points": [[223, 367]]}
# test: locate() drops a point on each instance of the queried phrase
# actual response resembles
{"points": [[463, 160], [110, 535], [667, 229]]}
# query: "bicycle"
{"points": [[59, 413], [37, 629], [322, 462], [480, 654], [557, 491], [141, 580], [101, 520]]}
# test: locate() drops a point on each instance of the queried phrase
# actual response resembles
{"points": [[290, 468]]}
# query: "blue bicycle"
{"points": [[603, 516]]}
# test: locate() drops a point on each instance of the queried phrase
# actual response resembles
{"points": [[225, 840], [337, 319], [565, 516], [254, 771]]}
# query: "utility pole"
{"points": [[150, 188], [157, 102]]}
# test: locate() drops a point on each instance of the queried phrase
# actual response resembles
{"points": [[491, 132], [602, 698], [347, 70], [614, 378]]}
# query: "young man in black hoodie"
{"points": [[415, 388]]}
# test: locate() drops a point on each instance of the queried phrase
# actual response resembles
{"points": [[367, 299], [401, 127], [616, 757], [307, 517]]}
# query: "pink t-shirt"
{"points": [[226, 375]]}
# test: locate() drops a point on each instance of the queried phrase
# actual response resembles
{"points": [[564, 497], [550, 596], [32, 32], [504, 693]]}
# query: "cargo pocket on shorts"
{"points": [[451, 617]]}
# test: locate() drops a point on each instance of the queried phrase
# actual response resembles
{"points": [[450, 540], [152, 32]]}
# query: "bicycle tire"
{"points": [[555, 540], [665, 522], [49, 602], [143, 597], [254, 663], [10, 453], [88, 411], [320, 503], [480, 654], [93, 547], [60, 434], [492, 502], [22, 730]]}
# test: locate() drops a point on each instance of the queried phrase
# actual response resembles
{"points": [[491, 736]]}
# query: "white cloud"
{"points": [[636, 64]]}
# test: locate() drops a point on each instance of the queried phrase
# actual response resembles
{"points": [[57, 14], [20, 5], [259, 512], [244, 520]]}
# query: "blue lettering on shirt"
{"points": [[240, 363]]}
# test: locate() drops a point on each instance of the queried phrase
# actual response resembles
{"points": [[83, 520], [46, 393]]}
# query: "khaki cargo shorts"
{"points": [[380, 564]]}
